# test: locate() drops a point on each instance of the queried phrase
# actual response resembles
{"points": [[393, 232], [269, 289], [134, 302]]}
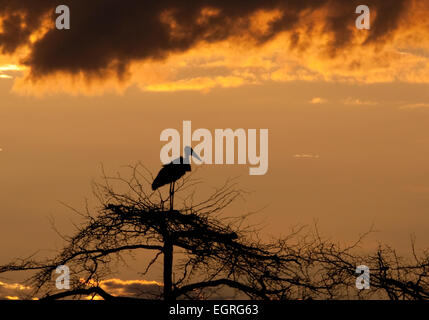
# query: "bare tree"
{"points": [[204, 249]]}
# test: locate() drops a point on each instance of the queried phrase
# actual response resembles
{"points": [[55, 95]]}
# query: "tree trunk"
{"points": [[168, 270], [168, 263]]}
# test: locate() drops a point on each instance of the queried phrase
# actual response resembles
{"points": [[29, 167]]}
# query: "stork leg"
{"points": [[172, 192], [171, 196]]}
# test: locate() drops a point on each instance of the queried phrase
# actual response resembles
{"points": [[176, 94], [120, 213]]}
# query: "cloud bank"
{"points": [[154, 43], [13, 291], [141, 289]]}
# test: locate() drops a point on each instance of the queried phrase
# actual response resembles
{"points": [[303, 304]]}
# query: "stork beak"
{"points": [[195, 155]]}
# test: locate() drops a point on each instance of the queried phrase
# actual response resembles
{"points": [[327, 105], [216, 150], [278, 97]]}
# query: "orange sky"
{"points": [[349, 137]]}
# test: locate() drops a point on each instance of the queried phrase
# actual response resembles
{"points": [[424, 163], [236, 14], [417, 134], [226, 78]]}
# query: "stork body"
{"points": [[173, 171], [170, 172]]}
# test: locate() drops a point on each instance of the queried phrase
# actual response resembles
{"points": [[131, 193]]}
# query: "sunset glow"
{"points": [[99, 101]]}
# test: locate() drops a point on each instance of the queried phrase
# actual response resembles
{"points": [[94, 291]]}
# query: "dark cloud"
{"points": [[106, 35]]}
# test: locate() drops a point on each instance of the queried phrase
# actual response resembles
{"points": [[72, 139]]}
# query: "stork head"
{"points": [[190, 152]]}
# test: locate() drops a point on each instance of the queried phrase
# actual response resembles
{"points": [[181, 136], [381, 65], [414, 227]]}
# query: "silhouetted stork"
{"points": [[173, 171]]}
